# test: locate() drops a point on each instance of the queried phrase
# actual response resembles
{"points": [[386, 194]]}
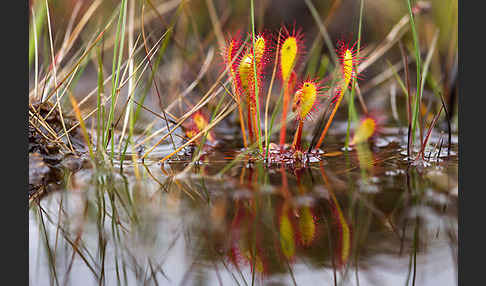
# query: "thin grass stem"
{"points": [[258, 129], [352, 115], [418, 64]]}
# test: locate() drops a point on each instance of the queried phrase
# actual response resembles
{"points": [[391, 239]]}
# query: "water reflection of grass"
{"points": [[126, 220], [124, 228]]}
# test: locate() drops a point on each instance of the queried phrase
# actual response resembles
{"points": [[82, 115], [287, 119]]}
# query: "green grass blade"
{"points": [[36, 27], [418, 63], [323, 30], [352, 114], [116, 66], [259, 137]]}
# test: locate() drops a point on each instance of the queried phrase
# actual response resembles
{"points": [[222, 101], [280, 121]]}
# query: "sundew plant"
{"points": [[272, 79], [214, 142]]}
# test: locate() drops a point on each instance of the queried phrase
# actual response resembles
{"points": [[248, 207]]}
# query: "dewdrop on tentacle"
{"points": [[245, 68], [260, 48], [229, 54], [261, 53], [246, 78], [347, 67], [246, 65], [305, 98], [232, 53], [349, 61]]}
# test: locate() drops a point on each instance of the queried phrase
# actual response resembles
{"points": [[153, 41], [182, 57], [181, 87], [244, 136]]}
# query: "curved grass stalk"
{"points": [[259, 131], [322, 30], [55, 78], [352, 115], [116, 66], [270, 92], [416, 44], [225, 112], [329, 121]]}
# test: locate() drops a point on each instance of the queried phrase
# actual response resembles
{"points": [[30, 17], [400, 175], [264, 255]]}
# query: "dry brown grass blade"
{"points": [[225, 112], [199, 154], [360, 98], [32, 123], [89, 114], [131, 49], [392, 37], [267, 103], [182, 188], [334, 7], [86, 116], [53, 108], [329, 121], [35, 119], [91, 93], [81, 123], [33, 114], [204, 69], [176, 40], [68, 43], [215, 22], [323, 31], [149, 137], [199, 105], [69, 37], [203, 101], [108, 78], [162, 9], [55, 77], [78, 63], [152, 53], [36, 58], [383, 76]]}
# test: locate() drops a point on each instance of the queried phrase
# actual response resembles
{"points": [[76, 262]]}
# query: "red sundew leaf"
{"points": [[263, 55], [230, 51]]}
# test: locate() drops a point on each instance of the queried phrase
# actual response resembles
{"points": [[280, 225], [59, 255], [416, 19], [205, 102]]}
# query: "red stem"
{"points": [[298, 136], [283, 128], [250, 125]]}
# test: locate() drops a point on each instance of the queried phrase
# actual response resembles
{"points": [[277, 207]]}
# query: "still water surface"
{"points": [[363, 217]]}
